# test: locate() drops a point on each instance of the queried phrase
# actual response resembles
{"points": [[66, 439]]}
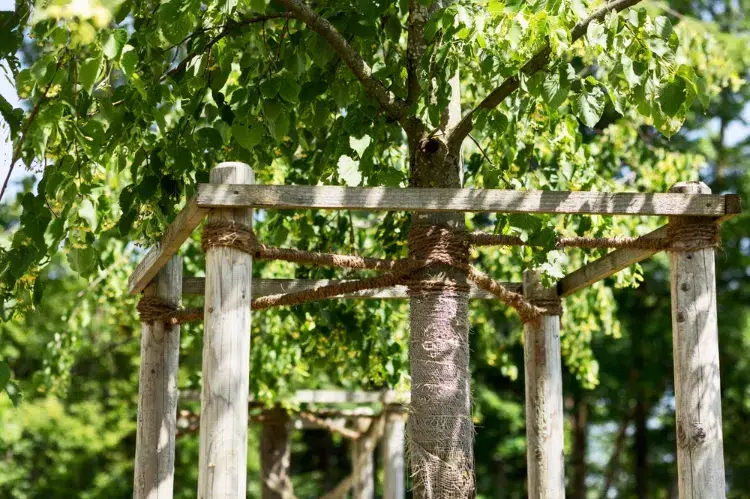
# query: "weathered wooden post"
{"points": [[695, 340], [226, 354], [363, 465], [544, 401], [394, 484], [157, 392], [275, 454]]}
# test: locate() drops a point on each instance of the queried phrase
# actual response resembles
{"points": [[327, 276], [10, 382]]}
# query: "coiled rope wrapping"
{"points": [[429, 246]]}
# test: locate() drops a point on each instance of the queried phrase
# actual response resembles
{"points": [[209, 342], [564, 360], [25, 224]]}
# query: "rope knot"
{"points": [[548, 306], [152, 309], [693, 236], [231, 234], [434, 245]]}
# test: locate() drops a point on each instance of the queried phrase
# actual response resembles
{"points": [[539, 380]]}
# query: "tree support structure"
{"points": [[230, 293]]}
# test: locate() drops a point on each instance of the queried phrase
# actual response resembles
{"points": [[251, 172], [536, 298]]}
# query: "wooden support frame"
{"points": [[283, 197]]}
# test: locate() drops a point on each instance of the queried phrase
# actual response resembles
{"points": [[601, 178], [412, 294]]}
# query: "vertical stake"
{"points": [[695, 342], [157, 392], [363, 465], [394, 485], [226, 354], [544, 404]]}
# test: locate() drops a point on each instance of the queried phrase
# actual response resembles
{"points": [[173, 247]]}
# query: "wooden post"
{"points": [[157, 392], [275, 455], [394, 484], [544, 405], [700, 448], [222, 462], [363, 466]]}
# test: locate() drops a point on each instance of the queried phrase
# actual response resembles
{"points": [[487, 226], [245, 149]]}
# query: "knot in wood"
{"points": [[693, 236], [232, 235]]}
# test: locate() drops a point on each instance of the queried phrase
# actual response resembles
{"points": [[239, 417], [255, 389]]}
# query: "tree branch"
{"points": [[388, 101], [228, 28], [17, 150], [536, 63], [415, 48]]}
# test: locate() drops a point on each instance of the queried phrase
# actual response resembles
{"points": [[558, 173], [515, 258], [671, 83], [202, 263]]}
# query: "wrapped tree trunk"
{"points": [[275, 455], [440, 429]]}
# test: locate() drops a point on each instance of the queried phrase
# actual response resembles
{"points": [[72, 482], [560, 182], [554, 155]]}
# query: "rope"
{"points": [[429, 246]]}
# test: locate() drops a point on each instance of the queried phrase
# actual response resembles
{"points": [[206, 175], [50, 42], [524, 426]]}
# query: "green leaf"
{"points": [[589, 106], [280, 126], [88, 73], [258, 6], [596, 34], [209, 138], [83, 260], [4, 374], [14, 393], [348, 170], [87, 212], [113, 43], [662, 27], [129, 60], [35, 219], [556, 87], [247, 136], [672, 96], [360, 145], [289, 89], [270, 87]]}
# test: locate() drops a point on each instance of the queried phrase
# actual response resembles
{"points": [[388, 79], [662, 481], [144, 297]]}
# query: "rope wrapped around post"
{"points": [[430, 246]]}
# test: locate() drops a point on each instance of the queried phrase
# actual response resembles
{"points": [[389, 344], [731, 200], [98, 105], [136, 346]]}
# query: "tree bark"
{"points": [[275, 455], [440, 429]]}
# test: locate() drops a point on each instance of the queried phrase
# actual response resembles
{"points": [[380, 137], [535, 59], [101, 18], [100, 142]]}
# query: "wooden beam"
{"points": [[609, 264], [349, 397], [176, 234], [265, 287], [463, 200]]}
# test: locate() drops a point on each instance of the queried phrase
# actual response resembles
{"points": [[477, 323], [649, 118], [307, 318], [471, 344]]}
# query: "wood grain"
{"points": [[157, 393], [459, 200], [394, 462], [695, 339], [222, 462], [544, 393], [609, 264], [176, 234], [265, 287]]}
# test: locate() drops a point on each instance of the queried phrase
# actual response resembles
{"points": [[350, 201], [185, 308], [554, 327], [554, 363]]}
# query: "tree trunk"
{"points": [[641, 447], [275, 455], [440, 428], [580, 425]]}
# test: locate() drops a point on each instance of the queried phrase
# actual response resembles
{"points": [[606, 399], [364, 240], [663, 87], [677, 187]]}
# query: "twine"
{"points": [[429, 246]]}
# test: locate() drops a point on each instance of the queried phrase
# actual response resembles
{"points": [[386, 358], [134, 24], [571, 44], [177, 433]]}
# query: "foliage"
{"points": [[127, 105]]}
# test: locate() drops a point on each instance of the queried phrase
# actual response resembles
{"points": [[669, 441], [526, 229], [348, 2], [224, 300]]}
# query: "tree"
{"points": [[131, 104]]}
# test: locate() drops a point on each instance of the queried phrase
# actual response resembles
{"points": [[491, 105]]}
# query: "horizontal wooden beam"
{"points": [[176, 234], [265, 287], [609, 264], [461, 200], [328, 397]]}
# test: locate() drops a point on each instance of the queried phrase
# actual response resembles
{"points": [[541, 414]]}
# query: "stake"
{"points": [[363, 465], [544, 407], [700, 448], [226, 355], [393, 456], [157, 392]]}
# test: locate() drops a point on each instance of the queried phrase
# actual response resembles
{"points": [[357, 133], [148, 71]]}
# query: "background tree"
{"points": [[129, 106]]}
